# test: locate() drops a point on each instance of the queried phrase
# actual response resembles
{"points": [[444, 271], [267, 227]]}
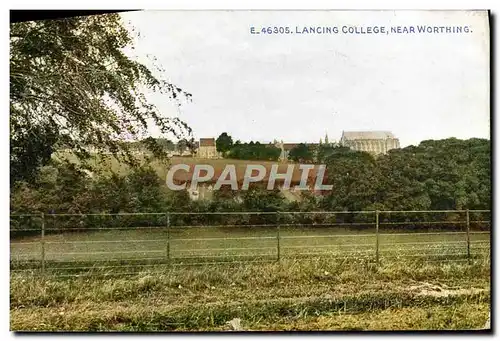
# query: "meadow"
{"points": [[112, 248], [106, 163], [316, 293], [100, 275], [271, 277]]}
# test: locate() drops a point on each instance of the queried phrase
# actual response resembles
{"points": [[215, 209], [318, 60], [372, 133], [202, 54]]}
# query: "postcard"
{"points": [[250, 170]]}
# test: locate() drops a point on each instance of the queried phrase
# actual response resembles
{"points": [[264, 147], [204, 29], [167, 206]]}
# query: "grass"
{"points": [[110, 163], [326, 279], [307, 294]]}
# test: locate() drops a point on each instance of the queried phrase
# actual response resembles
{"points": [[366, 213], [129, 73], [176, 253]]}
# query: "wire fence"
{"points": [[124, 243]]}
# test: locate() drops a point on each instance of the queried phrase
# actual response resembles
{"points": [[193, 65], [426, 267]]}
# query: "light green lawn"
{"points": [[233, 242]]}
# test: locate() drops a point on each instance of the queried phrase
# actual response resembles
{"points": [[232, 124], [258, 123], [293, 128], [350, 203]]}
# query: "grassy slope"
{"points": [[313, 294], [110, 163]]}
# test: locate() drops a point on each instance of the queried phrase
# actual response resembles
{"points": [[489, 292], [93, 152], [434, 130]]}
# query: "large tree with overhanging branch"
{"points": [[72, 85]]}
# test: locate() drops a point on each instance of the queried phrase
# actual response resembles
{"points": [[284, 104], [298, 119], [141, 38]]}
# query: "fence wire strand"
{"points": [[296, 239]]}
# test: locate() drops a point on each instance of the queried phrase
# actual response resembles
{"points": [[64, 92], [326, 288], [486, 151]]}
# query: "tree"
{"points": [[259, 198], [224, 143], [301, 153], [191, 144], [355, 179], [146, 193], [182, 145], [254, 151], [166, 143], [324, 152], [72, 86]]}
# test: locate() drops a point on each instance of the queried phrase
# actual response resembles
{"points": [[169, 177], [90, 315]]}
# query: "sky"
{"points": [[298, 87]]}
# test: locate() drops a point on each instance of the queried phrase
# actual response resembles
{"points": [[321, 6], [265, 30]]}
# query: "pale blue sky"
{"points": [[298, 87]]}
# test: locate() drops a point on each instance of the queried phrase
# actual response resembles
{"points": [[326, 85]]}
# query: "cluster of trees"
{"points": [[435, 175], [254, 151], [306, 153], [246, 151], [165, 145], [61, 187], [302, 153], [73, 86]]}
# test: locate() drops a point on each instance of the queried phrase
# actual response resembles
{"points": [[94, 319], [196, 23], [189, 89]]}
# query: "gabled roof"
{"points": [[367, 135]]}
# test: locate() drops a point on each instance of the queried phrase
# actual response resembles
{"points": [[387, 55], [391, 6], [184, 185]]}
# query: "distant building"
{"points": [[374, 142], [207, 149]]}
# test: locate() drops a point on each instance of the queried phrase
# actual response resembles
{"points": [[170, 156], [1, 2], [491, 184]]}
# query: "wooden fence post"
{"points": [[278, 237], [42, 242], [468, 235], [376, 237], [168, 237]]}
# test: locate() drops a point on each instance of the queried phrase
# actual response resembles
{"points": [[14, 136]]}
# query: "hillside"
{"points": [[106, 163]]}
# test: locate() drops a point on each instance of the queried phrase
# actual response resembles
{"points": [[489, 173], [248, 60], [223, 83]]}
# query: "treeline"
{"points": [[302, 153], [446, 174], [164, 144], [254, 151], [435, 175], [306, 153]]}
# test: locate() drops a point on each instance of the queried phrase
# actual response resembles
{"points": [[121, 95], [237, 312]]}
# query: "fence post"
{"points": [[468, 234], [168, 237], [376, 237], [42, 242], [278, 237]]}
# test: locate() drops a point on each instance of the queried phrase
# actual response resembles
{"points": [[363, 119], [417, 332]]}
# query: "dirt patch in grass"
{"points": [[442, 290]]}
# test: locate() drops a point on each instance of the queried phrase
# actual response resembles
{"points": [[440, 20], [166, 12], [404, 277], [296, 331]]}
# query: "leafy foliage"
{"points": [[254, 151], [224, 143], [324, 151], [354, 178], [301, 153], [444, 174], [436, 175], [73, 86], [439, 175]]}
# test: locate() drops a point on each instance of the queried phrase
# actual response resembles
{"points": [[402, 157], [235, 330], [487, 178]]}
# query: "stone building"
{"points": [[207, 149], [374, 142]]}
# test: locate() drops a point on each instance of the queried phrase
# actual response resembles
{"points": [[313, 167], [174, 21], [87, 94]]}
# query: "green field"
{"points": [[149, 246], [115, 277], [107, 162]]}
